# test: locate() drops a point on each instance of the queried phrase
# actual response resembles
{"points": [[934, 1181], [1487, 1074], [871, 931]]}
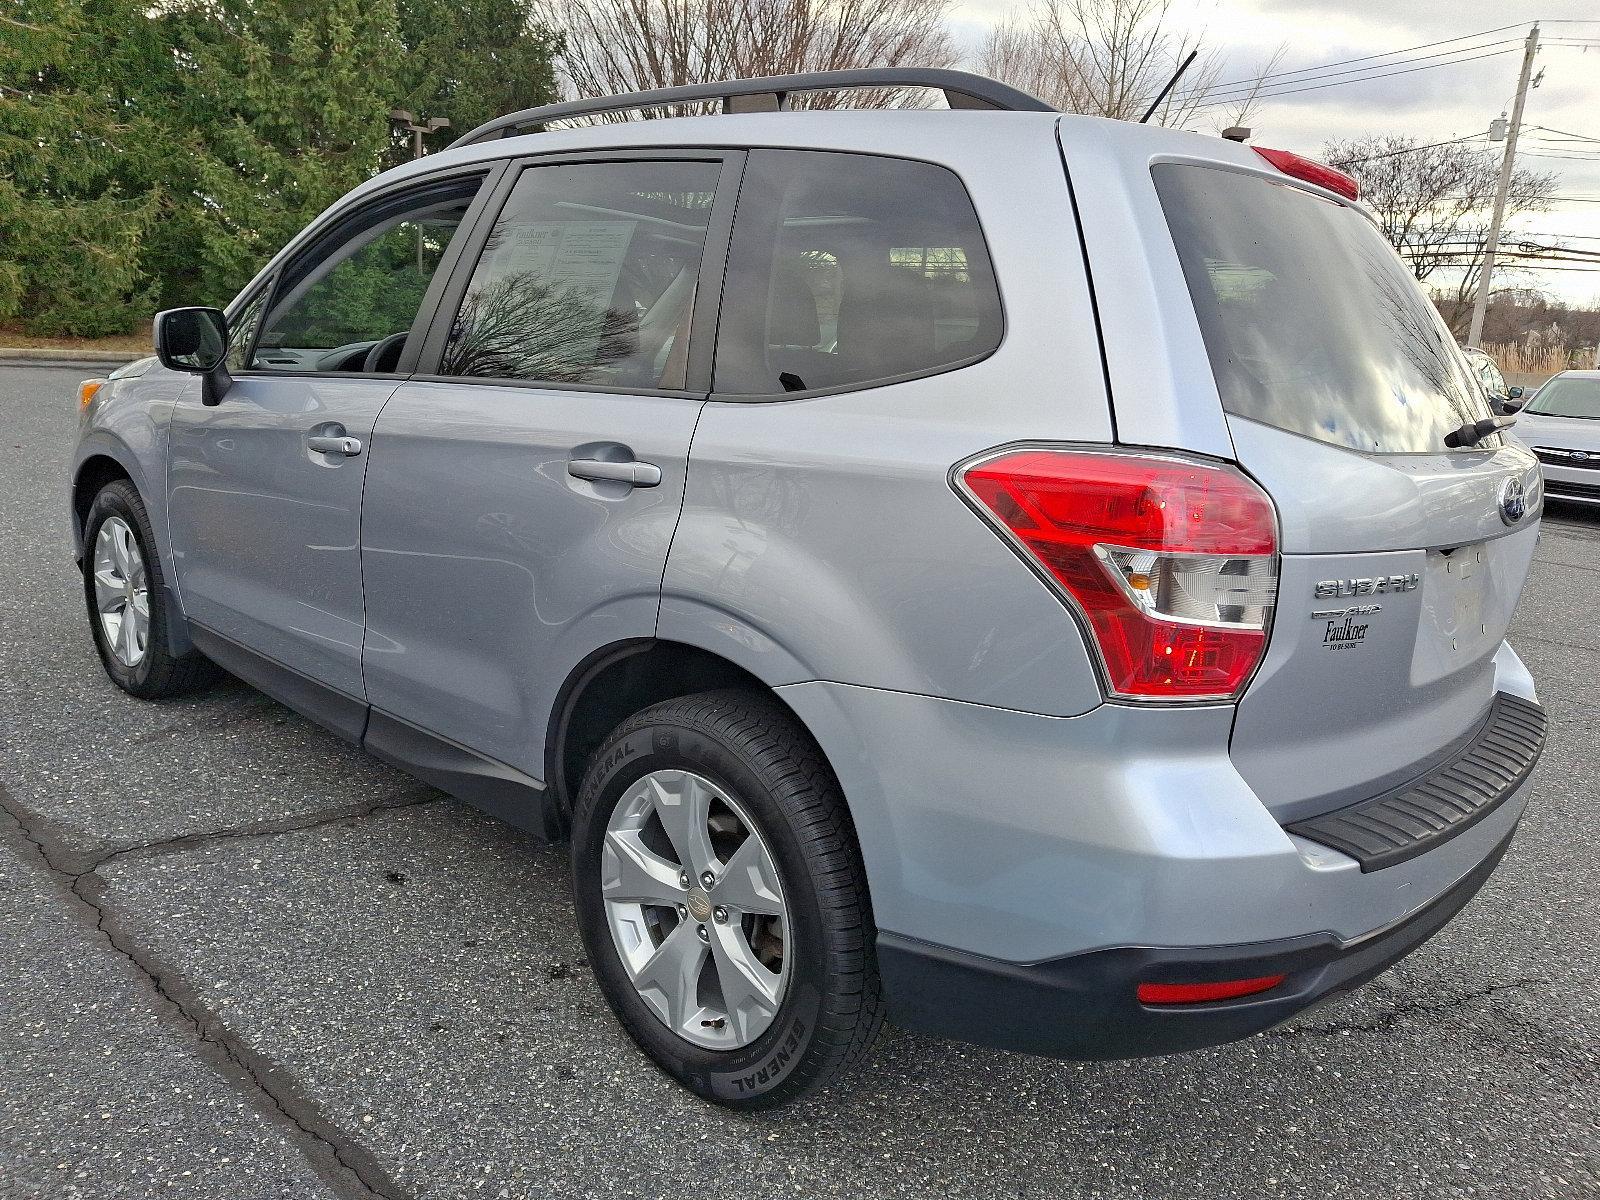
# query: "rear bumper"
{"points": [[1031, 839], [1085, 1006]]}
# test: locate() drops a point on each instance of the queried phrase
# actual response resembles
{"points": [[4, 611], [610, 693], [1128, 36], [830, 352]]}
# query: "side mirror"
{"points": [[195, 340], [1513, 392]]}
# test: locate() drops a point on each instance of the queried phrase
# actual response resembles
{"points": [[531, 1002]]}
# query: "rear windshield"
{"points": [[1311, 322], [1568, 398]]}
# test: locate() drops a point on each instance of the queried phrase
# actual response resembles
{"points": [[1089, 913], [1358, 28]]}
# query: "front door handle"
{"points": [[332, 444], [639, 474]]}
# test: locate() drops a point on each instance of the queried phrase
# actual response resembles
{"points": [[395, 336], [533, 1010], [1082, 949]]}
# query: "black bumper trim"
{"points": [[1085, 1006], [1561, 489], [1417, 816]]}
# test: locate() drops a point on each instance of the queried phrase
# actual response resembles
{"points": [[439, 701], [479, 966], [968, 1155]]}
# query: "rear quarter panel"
{"points": [[821, 538]]}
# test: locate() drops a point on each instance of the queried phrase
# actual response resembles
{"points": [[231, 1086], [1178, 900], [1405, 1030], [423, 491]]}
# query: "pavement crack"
{"points": [[344, 1166], [1522, 636], [1406, 1008], [299, 823]]}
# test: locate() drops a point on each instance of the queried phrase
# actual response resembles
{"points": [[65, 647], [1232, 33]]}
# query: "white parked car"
{"points": [[1561, 425]]}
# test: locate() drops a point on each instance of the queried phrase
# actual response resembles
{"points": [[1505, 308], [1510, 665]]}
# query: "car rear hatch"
{"points": [[1401, 558]]}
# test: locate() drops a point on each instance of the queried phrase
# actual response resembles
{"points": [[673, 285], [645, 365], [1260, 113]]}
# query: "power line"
{"points": [[1474, 250], [1321, 74], [1332, 78], [1351, 162], [1561, 199], [1237, 90], [1462, 262], [1566, 133], [1561, 157], [1343, 62], [1359, 79], [1532, 267]]}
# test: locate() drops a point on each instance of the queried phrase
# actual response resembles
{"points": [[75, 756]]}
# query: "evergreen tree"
{"points": [[470, 63], [158, 154], [298, 93], [81, 163]]}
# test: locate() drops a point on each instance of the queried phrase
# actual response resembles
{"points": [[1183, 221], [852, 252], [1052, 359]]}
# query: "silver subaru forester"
{"points": [[1039, 579]]}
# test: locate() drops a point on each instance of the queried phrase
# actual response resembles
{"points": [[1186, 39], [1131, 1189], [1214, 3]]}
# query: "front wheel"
{"points": [[722, 899], [127, 602]]}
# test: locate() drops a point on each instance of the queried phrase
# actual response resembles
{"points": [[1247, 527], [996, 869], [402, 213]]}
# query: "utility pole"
{"points": [[409, 121], [1481, 304]]}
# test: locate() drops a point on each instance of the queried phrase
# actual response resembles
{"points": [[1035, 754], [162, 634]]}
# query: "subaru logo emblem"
{"points": [[1580, 455], [1513, 501]]}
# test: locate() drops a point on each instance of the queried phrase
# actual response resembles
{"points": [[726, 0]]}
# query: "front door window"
{"points": [[349, 304]]}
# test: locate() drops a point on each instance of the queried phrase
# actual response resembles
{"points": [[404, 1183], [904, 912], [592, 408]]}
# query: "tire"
{"points": [[155, 673], [751, 752]]}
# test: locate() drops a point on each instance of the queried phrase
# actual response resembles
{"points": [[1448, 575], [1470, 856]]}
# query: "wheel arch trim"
{"points": [[576, 689], [99, 446]]}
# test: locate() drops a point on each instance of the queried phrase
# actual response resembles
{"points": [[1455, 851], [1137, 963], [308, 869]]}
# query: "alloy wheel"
{"points": [[696, 909], [121, 592]]}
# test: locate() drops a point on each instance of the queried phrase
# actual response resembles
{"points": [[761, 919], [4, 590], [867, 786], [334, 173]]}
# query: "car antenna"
{"points": [[1176, 75]]}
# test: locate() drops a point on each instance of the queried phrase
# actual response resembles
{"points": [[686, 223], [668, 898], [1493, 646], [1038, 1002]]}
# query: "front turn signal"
{"points": [[88, 390]]}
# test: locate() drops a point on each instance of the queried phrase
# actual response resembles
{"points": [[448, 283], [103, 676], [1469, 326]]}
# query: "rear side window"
{"points": [[1311, 322], [848, 270]]}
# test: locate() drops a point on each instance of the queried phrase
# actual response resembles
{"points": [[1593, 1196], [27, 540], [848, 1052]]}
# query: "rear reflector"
{"points": [[1311, 171], [1173, 562], [1202, 993]]}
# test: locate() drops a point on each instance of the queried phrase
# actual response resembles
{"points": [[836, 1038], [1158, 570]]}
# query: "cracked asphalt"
{"points": [[241, 959]]}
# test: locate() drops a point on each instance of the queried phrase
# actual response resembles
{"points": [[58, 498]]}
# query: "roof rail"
{"points": [[961, 90]]}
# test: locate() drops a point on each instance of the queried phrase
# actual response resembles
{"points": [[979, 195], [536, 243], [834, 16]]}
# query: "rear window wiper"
{"points": [[1473, 432]]}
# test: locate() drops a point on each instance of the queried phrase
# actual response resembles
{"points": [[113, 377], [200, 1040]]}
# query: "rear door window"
{"points": [[848, 270], [588, 277], [1311, 322]]}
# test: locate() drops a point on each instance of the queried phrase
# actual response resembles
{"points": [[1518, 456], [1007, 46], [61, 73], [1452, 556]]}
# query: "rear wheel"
{"points": [[127, 601], [722, 899]]}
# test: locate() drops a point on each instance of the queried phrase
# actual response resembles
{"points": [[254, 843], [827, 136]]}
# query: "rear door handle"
{"points": [[639, 474], [331, 444]]}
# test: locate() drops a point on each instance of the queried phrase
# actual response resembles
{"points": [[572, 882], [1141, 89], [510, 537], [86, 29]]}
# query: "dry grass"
{"points": [[137, 342], [1532, 357]]}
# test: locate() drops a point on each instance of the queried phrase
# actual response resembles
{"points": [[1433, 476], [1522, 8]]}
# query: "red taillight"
{"points": [[1201, 993], [1310, 170], [1173, 562]]}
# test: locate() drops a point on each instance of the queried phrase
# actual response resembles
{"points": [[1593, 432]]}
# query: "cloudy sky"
{"points": [[1453, 98]]}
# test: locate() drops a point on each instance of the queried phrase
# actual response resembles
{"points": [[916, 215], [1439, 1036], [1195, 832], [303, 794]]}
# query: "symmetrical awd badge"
{"points": [[1345, 629]]}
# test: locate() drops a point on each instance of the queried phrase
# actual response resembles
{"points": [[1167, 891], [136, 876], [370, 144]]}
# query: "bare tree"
{"points": [[1433, 202], [1111, 58], [632, 45]]}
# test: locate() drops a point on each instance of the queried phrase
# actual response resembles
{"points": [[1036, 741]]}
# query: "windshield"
{"points": [[1568, 397], [1311, 322]]}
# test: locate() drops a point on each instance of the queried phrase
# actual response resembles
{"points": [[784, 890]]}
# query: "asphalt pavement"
{"points": [[240, 959]]}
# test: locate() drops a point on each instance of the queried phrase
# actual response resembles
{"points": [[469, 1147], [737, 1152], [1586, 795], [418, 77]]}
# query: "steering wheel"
{"points": [[385, 354]]}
